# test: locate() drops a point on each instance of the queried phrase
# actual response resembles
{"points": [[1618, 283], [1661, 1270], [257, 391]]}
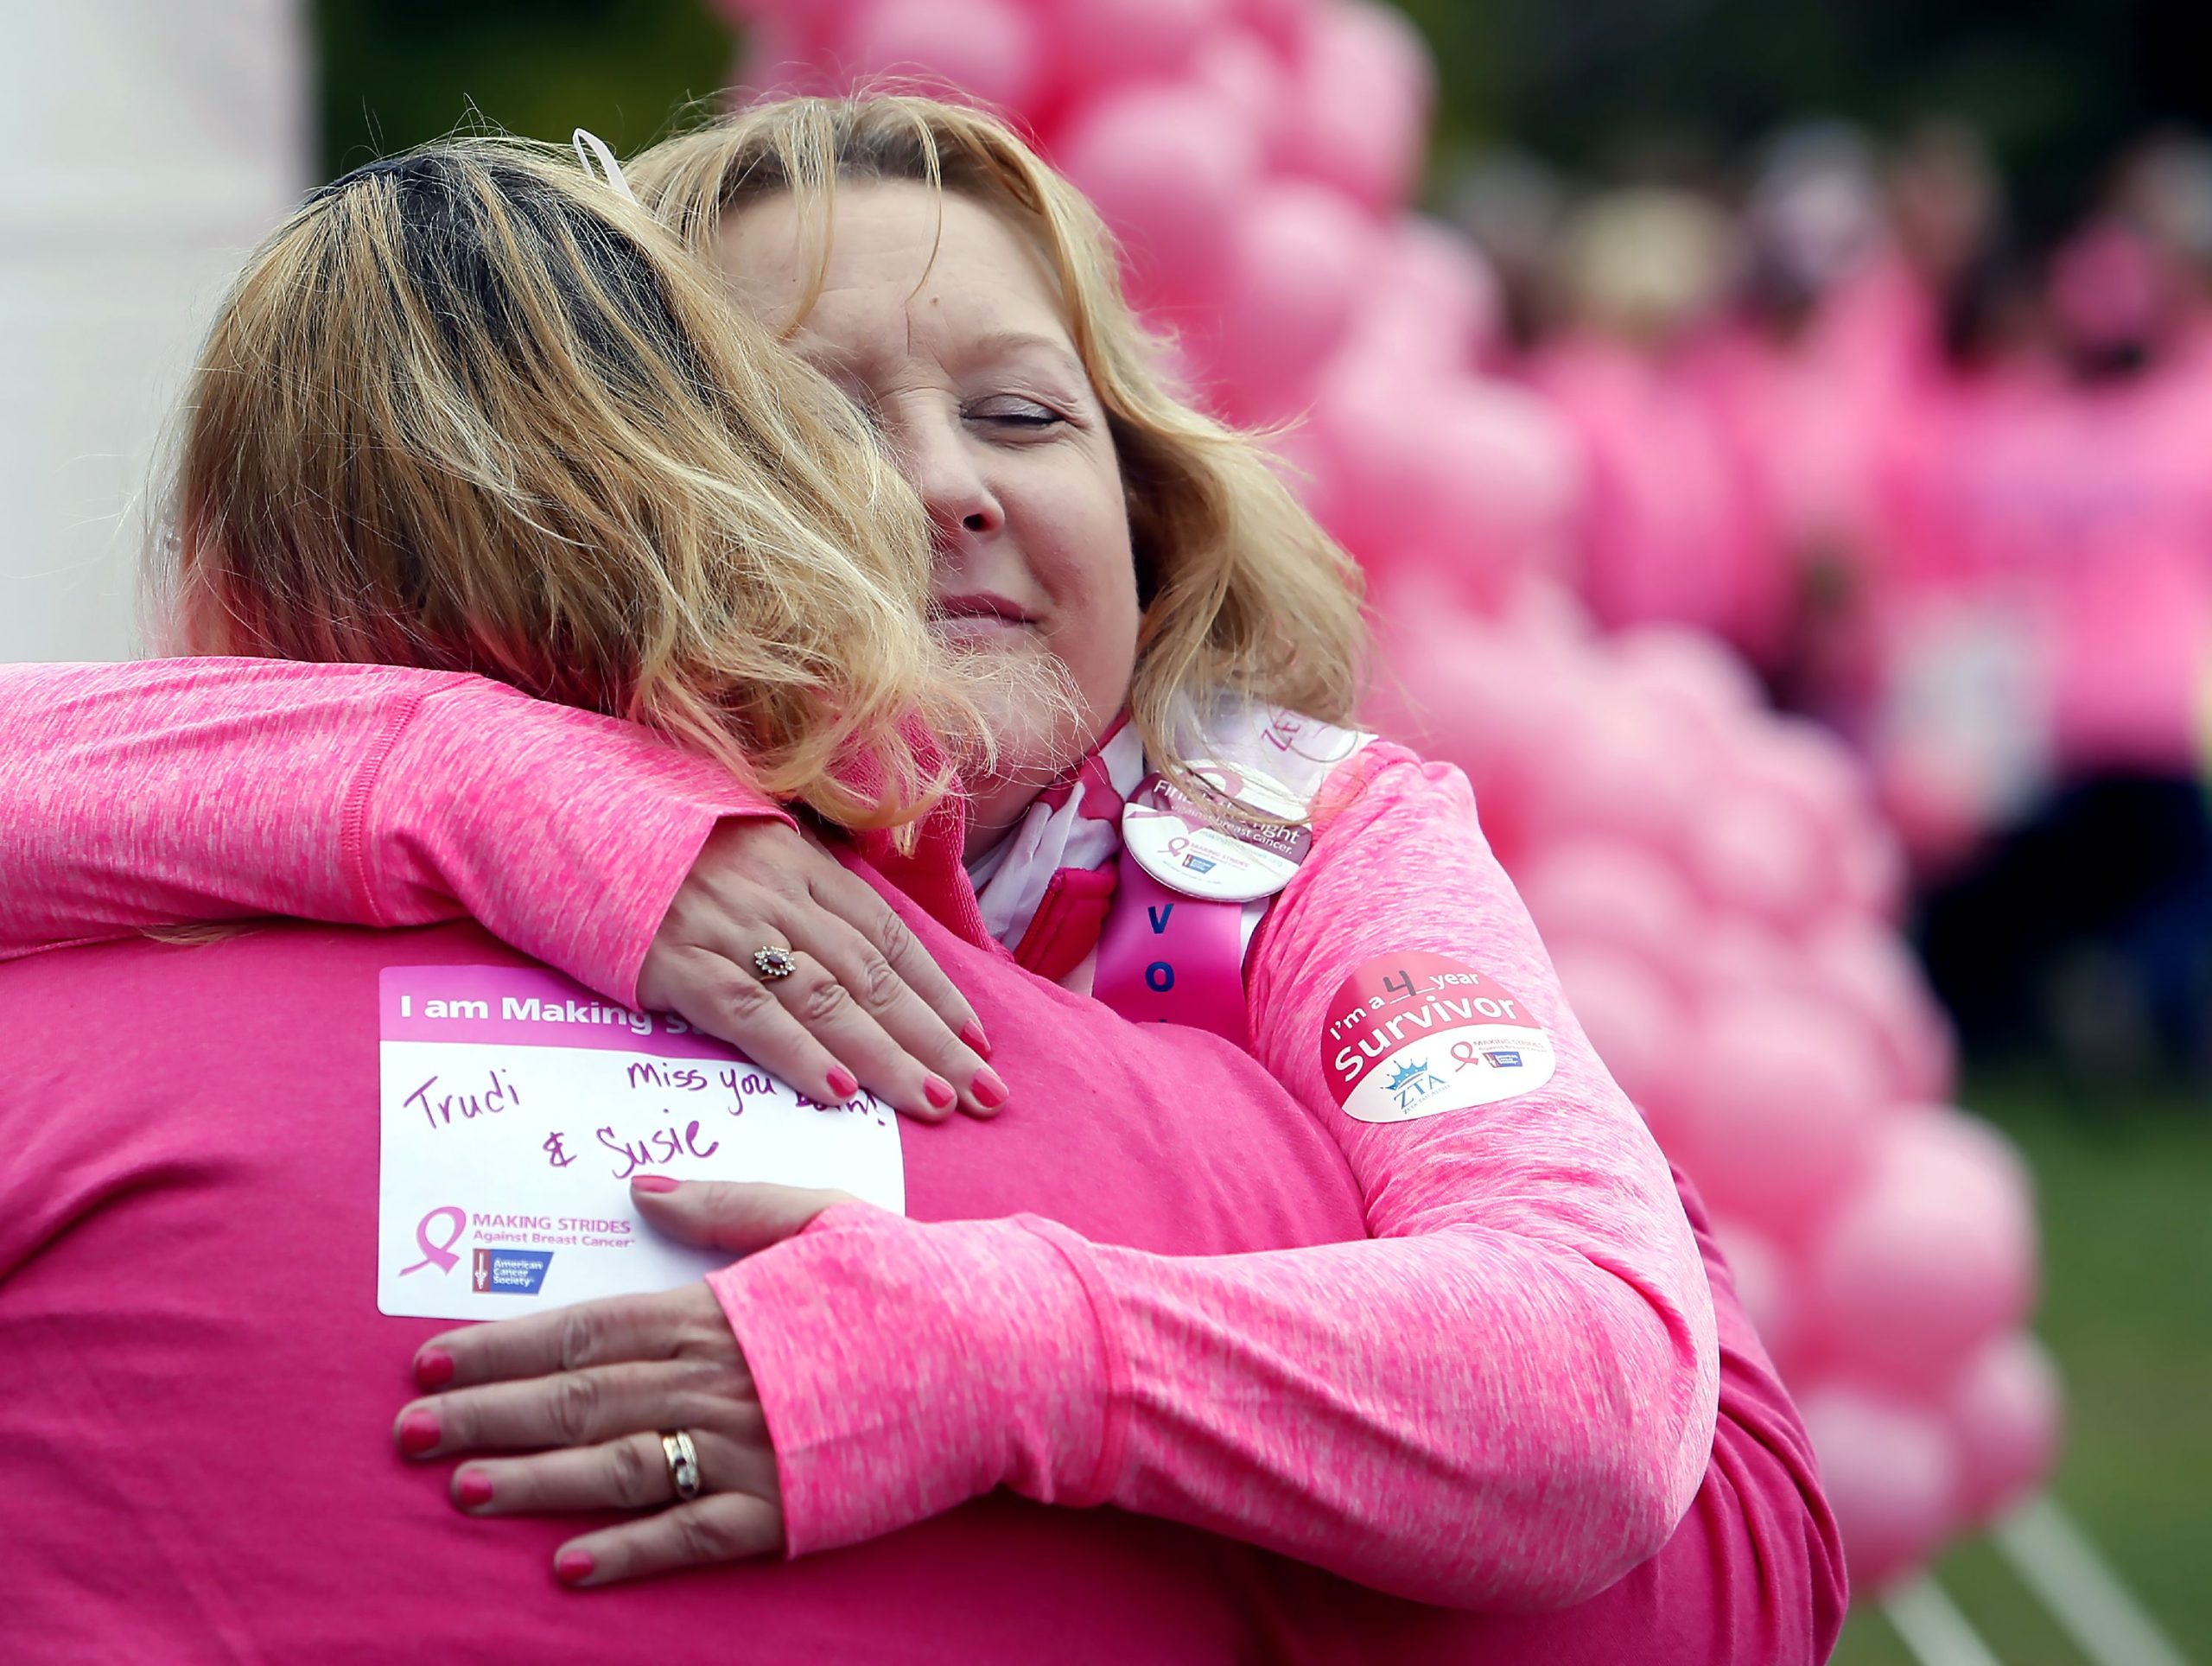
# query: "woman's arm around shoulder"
{"points": [[168, 792], [1505, 1400], [188, 790], [1399, 990]]}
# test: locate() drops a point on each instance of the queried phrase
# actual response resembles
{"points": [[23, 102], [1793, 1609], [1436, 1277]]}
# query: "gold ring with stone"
{"points": [[682, 1464]]}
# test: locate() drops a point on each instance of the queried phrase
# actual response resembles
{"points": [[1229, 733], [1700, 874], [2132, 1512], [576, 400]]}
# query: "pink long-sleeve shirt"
{"points": [[1754, 1575], [385, 776], [195, 1451]]}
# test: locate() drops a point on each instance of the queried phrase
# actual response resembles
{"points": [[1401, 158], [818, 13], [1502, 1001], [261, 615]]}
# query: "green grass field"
{"points": [[2127, 1208]]}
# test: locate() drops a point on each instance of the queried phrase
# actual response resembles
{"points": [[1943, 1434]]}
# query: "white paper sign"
{"points": [[515, 1107]]}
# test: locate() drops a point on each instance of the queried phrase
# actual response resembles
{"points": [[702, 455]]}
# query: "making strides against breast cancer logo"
{"points": [[491, 1271], [1416, 1034]]}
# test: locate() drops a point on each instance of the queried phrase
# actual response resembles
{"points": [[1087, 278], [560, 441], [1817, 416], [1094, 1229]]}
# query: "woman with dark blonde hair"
{"points": [[1505, 1400]]}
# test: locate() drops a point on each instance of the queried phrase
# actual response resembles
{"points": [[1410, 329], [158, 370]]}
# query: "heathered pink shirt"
{"points": [[1139, 1374], [195, 1452]]}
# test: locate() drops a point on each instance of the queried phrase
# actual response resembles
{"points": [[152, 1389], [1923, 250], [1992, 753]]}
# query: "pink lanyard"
{"points": [[1163, 958], [1161, 955]]}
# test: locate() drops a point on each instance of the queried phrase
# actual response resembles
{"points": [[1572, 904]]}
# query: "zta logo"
{"points": [[509, 1272], [1411, 1083]]}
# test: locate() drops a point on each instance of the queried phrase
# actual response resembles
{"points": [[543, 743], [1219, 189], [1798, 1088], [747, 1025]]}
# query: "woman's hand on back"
{"points": [[588, 1392], [863, 1005]]}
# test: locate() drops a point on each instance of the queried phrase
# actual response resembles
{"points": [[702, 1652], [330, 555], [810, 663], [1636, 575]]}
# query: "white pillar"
{"points": [[145, 145]]}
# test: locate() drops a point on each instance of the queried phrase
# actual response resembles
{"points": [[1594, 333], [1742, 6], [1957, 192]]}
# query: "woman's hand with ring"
{"points": [[773, 947], [588, 1392]]}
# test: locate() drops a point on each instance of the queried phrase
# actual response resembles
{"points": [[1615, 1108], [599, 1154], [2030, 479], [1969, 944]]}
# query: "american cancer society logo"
{"points": [[510, 1272]]}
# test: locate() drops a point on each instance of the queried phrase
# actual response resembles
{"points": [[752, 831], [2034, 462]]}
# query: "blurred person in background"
{"points": [[1800, 371], [2164, 190], [1673, 525], [1512, 205]]}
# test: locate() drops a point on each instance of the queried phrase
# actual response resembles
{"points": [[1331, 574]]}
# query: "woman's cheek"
{"points": [[1095, 614], [1107, 639]]}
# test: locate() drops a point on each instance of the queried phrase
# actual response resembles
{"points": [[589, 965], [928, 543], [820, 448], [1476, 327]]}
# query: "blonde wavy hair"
{"points": [[469, 409], [1243, 590]]}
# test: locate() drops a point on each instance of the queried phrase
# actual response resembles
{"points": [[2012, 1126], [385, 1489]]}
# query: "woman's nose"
{"points": [[942, 465]]}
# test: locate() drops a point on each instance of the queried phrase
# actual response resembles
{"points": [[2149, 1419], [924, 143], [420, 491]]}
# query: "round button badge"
{"points": [[1180, 843]]}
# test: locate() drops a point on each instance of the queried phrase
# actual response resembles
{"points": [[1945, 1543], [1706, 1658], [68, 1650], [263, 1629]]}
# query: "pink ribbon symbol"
{"points": [[441, 1253], [1464, 1052], [1177, 847], [1224, 780]]}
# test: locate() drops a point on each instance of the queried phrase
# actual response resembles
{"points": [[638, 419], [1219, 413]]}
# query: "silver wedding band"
{"points": [[682, 1464], [772, 963]]}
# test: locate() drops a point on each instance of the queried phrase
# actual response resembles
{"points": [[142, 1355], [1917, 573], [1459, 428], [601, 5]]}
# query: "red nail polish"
{"points": [[989, 1092], [843, 1085], [972, 1034], [573, 1567], [418, 1433], [939, 1091], [474, 1489], [653, 1183], [433, 1368]]}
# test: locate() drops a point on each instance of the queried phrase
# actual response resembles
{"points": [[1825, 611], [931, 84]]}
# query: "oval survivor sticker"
{"points": [[1415, 1034]]}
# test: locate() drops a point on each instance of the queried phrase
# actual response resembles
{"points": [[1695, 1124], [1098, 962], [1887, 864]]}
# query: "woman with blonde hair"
{"points": [[1506, 1399]]}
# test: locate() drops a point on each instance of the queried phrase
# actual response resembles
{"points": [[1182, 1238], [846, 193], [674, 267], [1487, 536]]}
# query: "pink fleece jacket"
{"points": [[1506, 1399]]}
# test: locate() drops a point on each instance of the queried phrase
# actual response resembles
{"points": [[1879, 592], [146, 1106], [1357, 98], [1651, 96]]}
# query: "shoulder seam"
{"points": [[355, 844]]}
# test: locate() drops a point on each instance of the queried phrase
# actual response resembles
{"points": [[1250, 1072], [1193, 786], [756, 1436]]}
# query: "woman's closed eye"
{"points": [[1012, 412]]}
